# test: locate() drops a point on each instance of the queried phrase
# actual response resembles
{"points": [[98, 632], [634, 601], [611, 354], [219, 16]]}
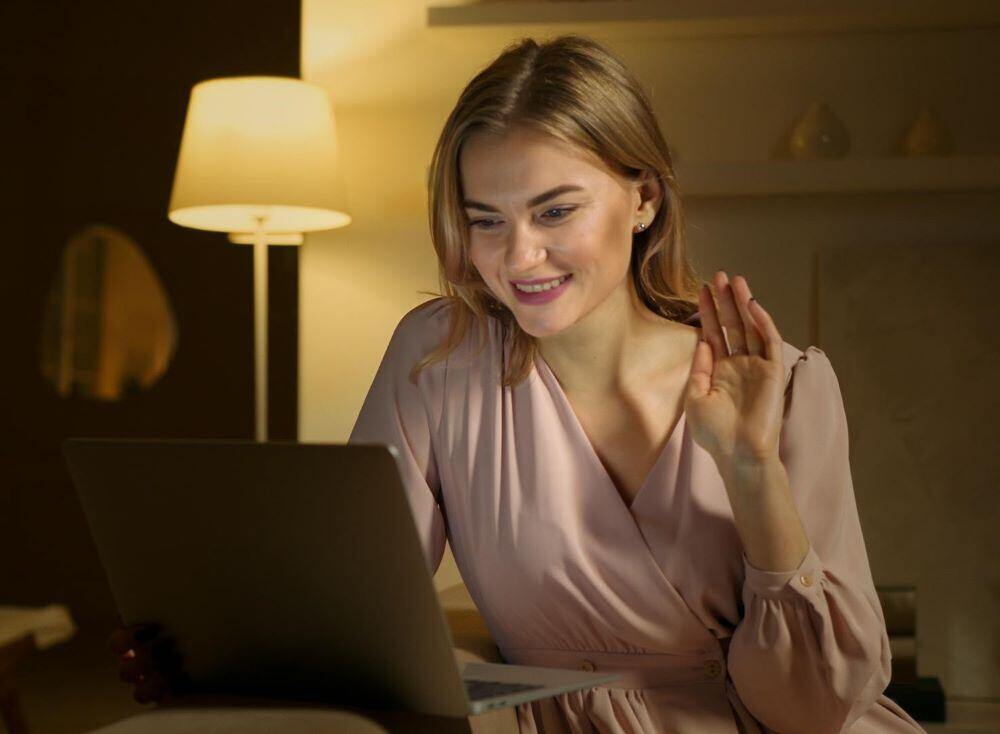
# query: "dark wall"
{"points": [[94, 98]]}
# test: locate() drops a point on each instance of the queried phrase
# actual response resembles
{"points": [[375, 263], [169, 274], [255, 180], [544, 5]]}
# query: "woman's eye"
{"points": [[481, 223], [563, 210], [559, 214]]}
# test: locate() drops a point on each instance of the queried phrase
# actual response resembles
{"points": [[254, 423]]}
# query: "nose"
{"points": [[526, 249]]}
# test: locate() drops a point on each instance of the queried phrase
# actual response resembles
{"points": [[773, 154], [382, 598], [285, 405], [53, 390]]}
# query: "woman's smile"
{"points": [[542, 292]]}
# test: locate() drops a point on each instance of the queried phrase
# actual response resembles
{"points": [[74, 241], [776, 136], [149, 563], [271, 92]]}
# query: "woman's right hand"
{"points": [[148, 659]]}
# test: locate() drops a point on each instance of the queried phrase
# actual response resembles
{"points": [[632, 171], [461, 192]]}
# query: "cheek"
{"points": [[487, 251], [485, 260], [597, 239], [479, 257]]}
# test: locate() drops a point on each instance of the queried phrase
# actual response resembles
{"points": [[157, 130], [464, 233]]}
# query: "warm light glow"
{"points": [[258, 146], [295, 238]]}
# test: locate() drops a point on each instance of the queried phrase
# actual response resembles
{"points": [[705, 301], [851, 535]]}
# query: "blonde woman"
{"points": [[635, 474]]}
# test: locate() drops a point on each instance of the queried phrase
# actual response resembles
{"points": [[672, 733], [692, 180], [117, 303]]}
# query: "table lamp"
{"points": [[258, 160]]}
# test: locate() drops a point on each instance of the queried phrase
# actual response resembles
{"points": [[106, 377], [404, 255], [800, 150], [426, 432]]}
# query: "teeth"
{"points": [[541, 286]]}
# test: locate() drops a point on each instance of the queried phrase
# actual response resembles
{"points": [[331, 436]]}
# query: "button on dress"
{"points": [[567, 574]]}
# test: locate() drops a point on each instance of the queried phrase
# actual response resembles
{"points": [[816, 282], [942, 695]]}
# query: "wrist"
{"points": [[750, 472], [769, 525]]}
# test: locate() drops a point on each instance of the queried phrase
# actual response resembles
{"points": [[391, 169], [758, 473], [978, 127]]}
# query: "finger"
{"points": [[770, 333], [742, 296], [710, 328], [700, 378], [729, 314]]}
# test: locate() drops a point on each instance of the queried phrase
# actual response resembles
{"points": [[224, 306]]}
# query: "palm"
{"points": [[735, 410], [733, 401]]}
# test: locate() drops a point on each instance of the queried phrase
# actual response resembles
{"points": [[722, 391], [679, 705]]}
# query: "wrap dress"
{"points": [[566, 574]]}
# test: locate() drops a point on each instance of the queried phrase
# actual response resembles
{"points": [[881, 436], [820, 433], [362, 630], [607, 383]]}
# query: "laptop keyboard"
{"points": [[478, 689]]}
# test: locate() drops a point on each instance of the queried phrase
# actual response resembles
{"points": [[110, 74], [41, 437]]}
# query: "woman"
{"points": [[625, 486], [635, 474]]}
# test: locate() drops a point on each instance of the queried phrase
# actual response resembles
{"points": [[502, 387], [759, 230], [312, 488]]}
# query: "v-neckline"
{"points": [[567, 407]]}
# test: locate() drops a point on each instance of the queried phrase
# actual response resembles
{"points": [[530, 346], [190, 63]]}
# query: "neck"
{"points": [[614, 348]]}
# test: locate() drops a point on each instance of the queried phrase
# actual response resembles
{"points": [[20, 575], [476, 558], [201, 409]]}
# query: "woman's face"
{"points": [[526, 224]]}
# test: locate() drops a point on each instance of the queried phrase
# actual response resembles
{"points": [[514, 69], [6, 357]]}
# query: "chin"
{"points": [[541, 327]]}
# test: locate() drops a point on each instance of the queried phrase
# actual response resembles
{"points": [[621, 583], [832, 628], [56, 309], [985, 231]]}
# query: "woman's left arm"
{"points": [[811, 653]]}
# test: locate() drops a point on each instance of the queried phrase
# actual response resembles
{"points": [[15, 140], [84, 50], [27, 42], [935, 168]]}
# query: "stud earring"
{"points": [[641, 226]]}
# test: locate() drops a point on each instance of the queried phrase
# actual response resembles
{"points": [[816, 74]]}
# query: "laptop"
{"points": [[289, 570]]}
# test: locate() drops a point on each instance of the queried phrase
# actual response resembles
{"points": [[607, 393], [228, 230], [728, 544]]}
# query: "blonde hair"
{"points": [[576, 90]]}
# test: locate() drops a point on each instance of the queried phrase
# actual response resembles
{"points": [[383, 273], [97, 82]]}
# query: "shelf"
{"points": [[844, 176], [699, 18]]}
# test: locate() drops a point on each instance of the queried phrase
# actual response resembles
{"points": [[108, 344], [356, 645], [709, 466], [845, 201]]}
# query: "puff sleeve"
{"points": [[398, 412], [811, 653]]}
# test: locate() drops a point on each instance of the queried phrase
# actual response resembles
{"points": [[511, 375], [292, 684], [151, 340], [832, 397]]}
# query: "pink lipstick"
{"points": [[539, 297]]}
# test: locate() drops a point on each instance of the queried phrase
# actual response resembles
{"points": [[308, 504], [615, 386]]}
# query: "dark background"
{"points": [[94, 100]]}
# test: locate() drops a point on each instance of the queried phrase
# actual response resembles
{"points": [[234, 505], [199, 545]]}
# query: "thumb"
{"points": [[700, 380]]}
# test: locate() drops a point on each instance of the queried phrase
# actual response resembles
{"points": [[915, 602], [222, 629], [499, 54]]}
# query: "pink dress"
{"points": [[566, 574]]}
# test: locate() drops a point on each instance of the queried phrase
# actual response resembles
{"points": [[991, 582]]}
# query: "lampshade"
{"points": [[258, 146]]}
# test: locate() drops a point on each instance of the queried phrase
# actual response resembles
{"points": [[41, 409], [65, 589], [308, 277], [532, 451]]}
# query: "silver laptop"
{"points": [[287, 569]]}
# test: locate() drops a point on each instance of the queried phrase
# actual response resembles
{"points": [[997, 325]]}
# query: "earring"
{"points": [[641, 226]]}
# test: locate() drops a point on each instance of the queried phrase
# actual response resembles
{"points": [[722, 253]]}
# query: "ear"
{"points": [[648, 197]]}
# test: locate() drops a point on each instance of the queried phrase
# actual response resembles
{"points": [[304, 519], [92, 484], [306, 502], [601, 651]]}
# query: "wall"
{"points": [[717, 100], [915, 339], [95, 98]]}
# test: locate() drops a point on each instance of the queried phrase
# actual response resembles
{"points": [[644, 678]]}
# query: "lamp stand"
{"points": [[260, 326]]}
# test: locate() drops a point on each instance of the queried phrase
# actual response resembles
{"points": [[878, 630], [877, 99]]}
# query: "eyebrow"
{"points": [[545, 196]]}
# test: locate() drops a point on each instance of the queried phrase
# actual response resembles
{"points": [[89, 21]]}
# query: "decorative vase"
{"points": [[927, 136], [819, 133]]}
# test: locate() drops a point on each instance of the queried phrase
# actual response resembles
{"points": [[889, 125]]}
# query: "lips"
{"points": [[538, 281], [545, 296], [545, 285]]}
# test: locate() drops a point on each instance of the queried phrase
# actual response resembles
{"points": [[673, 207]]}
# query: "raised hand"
{"points": [[733, 400]]}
